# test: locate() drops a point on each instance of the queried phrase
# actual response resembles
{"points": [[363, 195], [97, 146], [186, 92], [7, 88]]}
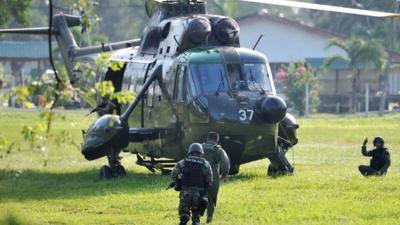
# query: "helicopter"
{"points": [[191, 76]]}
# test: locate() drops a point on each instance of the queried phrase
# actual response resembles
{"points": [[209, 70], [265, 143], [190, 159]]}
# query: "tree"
{"points": [[359, 55], [351, 24], [17, 9]]}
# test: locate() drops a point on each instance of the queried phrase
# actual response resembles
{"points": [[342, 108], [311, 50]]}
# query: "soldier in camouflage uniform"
{"points": [[194, 175], [220, 165]]}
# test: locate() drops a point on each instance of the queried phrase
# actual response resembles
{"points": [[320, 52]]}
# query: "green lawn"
{"points": [[327, 188]]}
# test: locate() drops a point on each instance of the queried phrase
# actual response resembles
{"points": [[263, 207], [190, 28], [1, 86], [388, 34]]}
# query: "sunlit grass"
{"points": [[327, 188]]}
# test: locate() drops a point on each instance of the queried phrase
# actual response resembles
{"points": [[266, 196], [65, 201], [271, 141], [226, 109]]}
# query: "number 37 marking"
{"points": [[246, 114]]}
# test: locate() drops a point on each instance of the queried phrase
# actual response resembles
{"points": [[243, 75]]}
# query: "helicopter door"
{"points": [[180, 92]]}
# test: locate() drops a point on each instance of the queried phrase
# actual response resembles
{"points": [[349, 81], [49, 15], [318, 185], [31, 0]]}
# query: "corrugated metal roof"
{"points": [[24, 49]]}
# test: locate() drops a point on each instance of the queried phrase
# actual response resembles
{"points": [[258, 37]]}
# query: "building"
{"points": [[24, 60], [286, 41]]}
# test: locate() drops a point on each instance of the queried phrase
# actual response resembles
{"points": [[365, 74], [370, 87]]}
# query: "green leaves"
{"points": [[294, 78], [18, 9], [360, 54], [5, 146], [106, 90]]}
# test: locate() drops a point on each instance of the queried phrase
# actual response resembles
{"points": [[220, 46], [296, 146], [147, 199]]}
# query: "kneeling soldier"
{"points": [[380, 161], [194, 175]]}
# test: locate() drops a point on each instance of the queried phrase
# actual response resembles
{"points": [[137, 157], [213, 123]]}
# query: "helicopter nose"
{"points": [[272, 109]]}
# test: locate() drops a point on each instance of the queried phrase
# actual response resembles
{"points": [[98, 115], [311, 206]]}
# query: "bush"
{"points": [[293, 79]]}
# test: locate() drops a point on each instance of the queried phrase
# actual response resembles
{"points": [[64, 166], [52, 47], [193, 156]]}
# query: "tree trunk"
{"points": [[353, 100], [383, 84]]}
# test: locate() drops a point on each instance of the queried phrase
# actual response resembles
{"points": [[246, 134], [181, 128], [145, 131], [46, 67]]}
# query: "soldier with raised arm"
{"points": [[380, 161]]}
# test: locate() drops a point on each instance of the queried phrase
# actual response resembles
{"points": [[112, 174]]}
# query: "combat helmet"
{"points": [[379, 139], [196, 147]]}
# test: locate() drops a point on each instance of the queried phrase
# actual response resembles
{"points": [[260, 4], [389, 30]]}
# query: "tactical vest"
{"points": [[211, 154], [194, 173]]}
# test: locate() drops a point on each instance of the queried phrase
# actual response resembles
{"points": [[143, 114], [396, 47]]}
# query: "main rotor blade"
{"points": [[35, 30], [328, 8]]}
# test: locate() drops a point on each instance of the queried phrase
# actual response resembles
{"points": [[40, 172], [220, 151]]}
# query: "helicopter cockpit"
{"points": [[216, 78]]}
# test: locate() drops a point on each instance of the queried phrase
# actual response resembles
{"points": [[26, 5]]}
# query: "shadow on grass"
{"points": [[46, 185]]}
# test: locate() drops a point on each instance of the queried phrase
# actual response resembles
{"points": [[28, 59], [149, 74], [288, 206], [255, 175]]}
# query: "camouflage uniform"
{"points": [[220, 165], [195, 175]]}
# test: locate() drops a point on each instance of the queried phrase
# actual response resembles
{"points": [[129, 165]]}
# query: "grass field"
{"points": [[327, 188]]}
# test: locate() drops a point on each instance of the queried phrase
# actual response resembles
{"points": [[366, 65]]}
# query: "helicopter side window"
{"points": [[209, 78], [179, 92]]}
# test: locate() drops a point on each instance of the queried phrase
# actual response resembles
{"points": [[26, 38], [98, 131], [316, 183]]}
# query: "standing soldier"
{"points": [[193, 176], [220, 165], [380, 161]]}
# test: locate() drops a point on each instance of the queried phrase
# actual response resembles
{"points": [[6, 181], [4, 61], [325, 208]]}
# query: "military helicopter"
{"points": [[191, 76]]}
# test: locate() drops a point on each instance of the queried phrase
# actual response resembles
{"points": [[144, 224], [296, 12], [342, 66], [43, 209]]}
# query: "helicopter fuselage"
{"points": [[206, 82]]}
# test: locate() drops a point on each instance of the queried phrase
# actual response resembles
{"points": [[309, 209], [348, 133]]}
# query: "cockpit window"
{"points": [[210, 78], [249, 77], [214, 78]]}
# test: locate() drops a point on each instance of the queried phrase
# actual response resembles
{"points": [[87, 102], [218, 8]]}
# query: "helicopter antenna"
{"points": [[50, 34], [258, 40]]}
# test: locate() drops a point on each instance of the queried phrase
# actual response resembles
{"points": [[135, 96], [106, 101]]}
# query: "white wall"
{"points": [[284, 43]]}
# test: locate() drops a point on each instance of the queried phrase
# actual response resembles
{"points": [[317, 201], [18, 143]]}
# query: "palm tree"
{"points": [[359, 54]]}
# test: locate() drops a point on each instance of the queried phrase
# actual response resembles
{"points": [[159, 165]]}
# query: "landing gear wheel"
{"points": [[105, 173], [272, 171], [119, 171]]}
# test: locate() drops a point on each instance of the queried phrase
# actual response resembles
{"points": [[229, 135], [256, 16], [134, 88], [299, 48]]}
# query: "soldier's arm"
{"points": [[365, 152], [225, 164], [209, 175], [176, 171]]}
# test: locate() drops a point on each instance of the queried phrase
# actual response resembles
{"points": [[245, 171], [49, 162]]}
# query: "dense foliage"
{"points": [[294, 79]]}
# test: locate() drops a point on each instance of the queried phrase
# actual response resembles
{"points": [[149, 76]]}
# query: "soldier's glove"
{"points": [[365, 142]]}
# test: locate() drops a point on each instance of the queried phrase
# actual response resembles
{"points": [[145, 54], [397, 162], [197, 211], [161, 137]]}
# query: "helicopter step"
{"points": [[279, 164], [165, 166]]}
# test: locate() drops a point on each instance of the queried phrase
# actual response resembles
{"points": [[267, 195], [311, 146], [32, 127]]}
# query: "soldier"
{"points": [[194, 175], [220, 165], [380, 161]]}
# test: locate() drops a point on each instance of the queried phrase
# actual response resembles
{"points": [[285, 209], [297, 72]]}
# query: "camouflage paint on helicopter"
{"points": [[190, 76], [225, 89]]}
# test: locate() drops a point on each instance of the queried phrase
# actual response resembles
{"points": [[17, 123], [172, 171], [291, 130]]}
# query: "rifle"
{"points": [[176, 185], [171, 185]]}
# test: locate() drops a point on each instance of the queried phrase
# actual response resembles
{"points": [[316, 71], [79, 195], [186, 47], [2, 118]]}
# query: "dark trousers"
{"points": [[212, 195], [367, 171]]}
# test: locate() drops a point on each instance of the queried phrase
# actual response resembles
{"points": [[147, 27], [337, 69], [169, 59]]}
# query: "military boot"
{"points": [[195, 221], [184, 219]]}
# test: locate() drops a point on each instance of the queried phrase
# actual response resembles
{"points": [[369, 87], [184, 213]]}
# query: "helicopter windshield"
{"points": [[209, 78], [249, 77], [214, 78]]}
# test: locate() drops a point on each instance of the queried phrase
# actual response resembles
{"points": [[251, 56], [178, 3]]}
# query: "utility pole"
{"points": [[307, 107], [392, 46], [366, 99]]}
